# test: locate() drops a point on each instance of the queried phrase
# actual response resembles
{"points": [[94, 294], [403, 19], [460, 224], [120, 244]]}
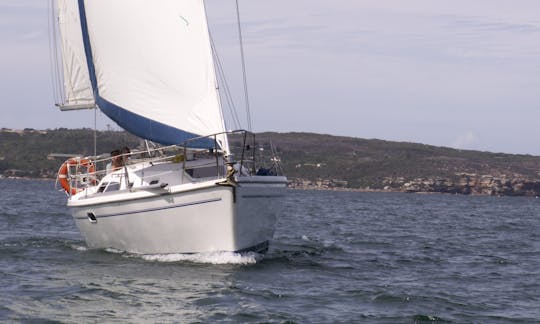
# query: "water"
{"points": [[337, 257]]}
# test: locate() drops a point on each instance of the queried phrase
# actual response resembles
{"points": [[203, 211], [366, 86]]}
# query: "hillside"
{"points": [[24, 153], [313, 161]]}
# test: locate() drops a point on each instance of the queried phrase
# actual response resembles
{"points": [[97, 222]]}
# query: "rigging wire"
{"points": [[246, 96], [53, 53], [227, 92], [50, 22], [95, 132], [58, 64]]}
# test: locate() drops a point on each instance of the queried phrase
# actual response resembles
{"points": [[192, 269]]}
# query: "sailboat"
{"points": [[149, 66]]}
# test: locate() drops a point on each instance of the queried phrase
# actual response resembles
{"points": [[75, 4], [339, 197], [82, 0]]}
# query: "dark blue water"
{"points": [[337, 257]]}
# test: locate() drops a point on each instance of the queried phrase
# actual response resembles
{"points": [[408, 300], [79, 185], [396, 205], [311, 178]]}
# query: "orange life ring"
{"points": [[63, 173]]}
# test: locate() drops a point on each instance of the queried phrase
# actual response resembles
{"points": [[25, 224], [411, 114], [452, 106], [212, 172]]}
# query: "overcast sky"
{"points": [[458, 73]]}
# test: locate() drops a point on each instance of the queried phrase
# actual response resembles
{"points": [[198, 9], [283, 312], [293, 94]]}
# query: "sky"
{"points": [[456, 73]]}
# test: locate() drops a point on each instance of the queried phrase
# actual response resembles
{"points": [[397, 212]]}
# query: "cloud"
{"points": [[467, 140], [22, 4], [366, 68]]}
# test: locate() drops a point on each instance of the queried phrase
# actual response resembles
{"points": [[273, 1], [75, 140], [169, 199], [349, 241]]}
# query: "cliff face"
{"points": [[476, 185], [466, 184]]}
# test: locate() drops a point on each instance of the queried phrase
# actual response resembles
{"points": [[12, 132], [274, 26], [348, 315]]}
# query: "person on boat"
{"points": [[116, 161], [125, 155], [119, 158]]}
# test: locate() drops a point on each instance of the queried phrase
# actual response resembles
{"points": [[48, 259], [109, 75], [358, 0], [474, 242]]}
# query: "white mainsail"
{"points": [[152, 68], [77, 87]]}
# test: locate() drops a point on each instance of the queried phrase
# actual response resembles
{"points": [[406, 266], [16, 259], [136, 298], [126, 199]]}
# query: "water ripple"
{"points": [[336, 257]]}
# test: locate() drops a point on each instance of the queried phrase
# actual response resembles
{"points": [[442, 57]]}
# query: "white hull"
{"points": [[185, 218]]}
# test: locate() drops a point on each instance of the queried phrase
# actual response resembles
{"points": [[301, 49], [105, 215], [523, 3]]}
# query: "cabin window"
{"points": [[111, 186], [204, 172]]}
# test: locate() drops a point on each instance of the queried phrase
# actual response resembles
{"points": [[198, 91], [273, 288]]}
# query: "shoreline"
{"points": [[332, 189], [26, 178], [406, 192]]}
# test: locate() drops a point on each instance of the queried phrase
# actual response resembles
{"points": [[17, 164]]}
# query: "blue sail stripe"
{"points": [[148, 128], [87, 47], [132, 122]]}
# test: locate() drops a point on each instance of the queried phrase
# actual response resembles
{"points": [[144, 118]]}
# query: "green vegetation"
{"points": [[348, 162], [25, 153], [373, 163]]}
